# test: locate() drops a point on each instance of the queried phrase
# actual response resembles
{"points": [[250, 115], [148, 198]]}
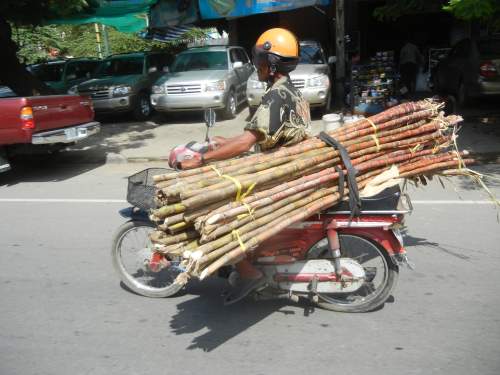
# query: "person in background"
{"points": [[410, 59]]}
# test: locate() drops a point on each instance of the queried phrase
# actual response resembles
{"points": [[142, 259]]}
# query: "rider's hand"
{"points": [[194, 162]]}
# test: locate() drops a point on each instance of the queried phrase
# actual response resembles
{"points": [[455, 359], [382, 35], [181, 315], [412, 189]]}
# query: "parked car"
{"points": [[6, 92], [123, 83], [471, 69], [204, 77], [43, 123], [60, 75], [311, 77]]}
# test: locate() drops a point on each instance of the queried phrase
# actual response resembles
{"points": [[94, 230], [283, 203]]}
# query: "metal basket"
{"points": [[141, 190]]}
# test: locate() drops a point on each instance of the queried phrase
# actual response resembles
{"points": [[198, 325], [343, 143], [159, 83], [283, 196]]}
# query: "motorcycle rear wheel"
{"points": [[375, 260], [130, 252]]}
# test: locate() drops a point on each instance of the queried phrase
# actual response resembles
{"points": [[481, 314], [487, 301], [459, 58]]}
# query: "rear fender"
{"points": [[384, 237]]}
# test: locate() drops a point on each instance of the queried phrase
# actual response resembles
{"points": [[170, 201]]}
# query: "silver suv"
{"points": [[204, 77], [311, 77]]}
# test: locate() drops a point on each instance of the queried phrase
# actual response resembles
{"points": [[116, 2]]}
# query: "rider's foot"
{"points": [[245, 287]]}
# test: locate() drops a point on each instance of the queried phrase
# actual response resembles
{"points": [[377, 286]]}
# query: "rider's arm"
{"points": [[233, 147], [230, 148]]}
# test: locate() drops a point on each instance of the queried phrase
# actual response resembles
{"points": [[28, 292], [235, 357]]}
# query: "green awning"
{"points": [[128, 16]]}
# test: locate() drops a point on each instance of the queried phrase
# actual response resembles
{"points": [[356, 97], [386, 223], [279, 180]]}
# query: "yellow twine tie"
{"points": [[216, 170], [239, 187], [236, 234], [249, 209], [374, 136], [413, 150]]}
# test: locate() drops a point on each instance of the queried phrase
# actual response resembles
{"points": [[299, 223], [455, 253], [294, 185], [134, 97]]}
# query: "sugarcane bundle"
{"points": [[214, 215]]}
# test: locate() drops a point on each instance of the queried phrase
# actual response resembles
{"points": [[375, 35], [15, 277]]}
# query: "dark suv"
{"points": [[123, 83], [60, 75], [471, 69]]}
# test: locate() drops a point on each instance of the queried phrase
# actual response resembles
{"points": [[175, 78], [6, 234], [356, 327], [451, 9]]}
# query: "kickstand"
{"points": [[313, 290]]}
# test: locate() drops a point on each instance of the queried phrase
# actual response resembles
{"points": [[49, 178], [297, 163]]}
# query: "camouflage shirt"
{"points": [[283, 118]]}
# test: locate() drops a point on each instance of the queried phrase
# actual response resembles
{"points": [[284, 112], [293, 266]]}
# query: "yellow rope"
{"points": [[239, 187], [413, 150], [250, 212], [236, 235], [374, 136]]}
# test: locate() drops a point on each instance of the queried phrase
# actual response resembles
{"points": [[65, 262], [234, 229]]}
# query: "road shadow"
{"points": [[113, 138], [452, 250], [206, 312], [192, 117], [45, 168]]}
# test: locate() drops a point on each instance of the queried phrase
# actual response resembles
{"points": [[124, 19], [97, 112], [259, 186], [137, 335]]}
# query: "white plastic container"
{"points": [[331, 121], [353, 118]]}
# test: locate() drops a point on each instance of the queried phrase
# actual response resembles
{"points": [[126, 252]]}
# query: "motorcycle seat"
{"points": [[386, 200]]}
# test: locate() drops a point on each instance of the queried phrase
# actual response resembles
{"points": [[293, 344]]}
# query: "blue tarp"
{"points": [[212, 9]]}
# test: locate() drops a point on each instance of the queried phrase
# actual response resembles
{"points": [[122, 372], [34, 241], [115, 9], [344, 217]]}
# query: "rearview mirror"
{"points": [[332, 59], [237, 64], [153, 69], [210, 117]]}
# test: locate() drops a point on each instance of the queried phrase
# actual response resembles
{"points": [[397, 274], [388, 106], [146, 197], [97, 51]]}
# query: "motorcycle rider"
{"points": [[282, 119]]}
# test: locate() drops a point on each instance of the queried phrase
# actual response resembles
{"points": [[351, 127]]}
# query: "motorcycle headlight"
{"points": [[254, 84], [121, 90], [73, 90], [158, 89], [319, 81], [215, 86]]}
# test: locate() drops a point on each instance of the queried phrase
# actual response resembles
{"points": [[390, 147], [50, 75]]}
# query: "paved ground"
{"points": [[63, 310]]}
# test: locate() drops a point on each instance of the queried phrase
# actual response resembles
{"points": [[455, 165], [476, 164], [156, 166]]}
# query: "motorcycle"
{"points": [[336, 261]]}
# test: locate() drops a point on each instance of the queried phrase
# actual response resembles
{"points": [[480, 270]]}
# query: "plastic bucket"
{"points": [[331, 121], [353, 118]]}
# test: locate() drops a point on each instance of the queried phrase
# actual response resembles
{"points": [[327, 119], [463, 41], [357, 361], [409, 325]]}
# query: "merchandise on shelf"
{"points": [[373, 84]]}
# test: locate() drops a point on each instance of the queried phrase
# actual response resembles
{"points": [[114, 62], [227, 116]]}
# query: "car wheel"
{"points": [[143, 109], [231, 106], [252, 110]]}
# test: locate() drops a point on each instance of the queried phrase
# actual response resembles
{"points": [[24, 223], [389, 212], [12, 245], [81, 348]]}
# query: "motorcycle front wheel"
{"points": [[131, 251], [381, 275]]}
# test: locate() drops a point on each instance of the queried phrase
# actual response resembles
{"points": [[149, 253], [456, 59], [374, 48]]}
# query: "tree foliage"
{"points": [[34, 12], [80, 41], [487, 11]]}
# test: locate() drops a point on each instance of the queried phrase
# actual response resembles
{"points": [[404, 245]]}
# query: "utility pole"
{"points": [[105, 39], [98, 38], [340, 53]]}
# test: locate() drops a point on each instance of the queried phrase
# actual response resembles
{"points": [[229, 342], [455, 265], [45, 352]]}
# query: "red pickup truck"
{"points": [[43, 122]]}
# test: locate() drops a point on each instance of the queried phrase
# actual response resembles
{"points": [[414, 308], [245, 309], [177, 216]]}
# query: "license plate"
{"points": [[82, 132], [70, 133]]}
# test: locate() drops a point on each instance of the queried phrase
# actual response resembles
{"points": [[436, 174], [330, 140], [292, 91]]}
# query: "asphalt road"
{"points": [[63, 310]]}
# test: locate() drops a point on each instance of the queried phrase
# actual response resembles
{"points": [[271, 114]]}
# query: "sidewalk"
{"points": [[122, 141]]}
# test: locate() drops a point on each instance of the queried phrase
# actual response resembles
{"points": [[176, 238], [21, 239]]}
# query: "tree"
{"points": [[27, 13], [487, 11]]}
